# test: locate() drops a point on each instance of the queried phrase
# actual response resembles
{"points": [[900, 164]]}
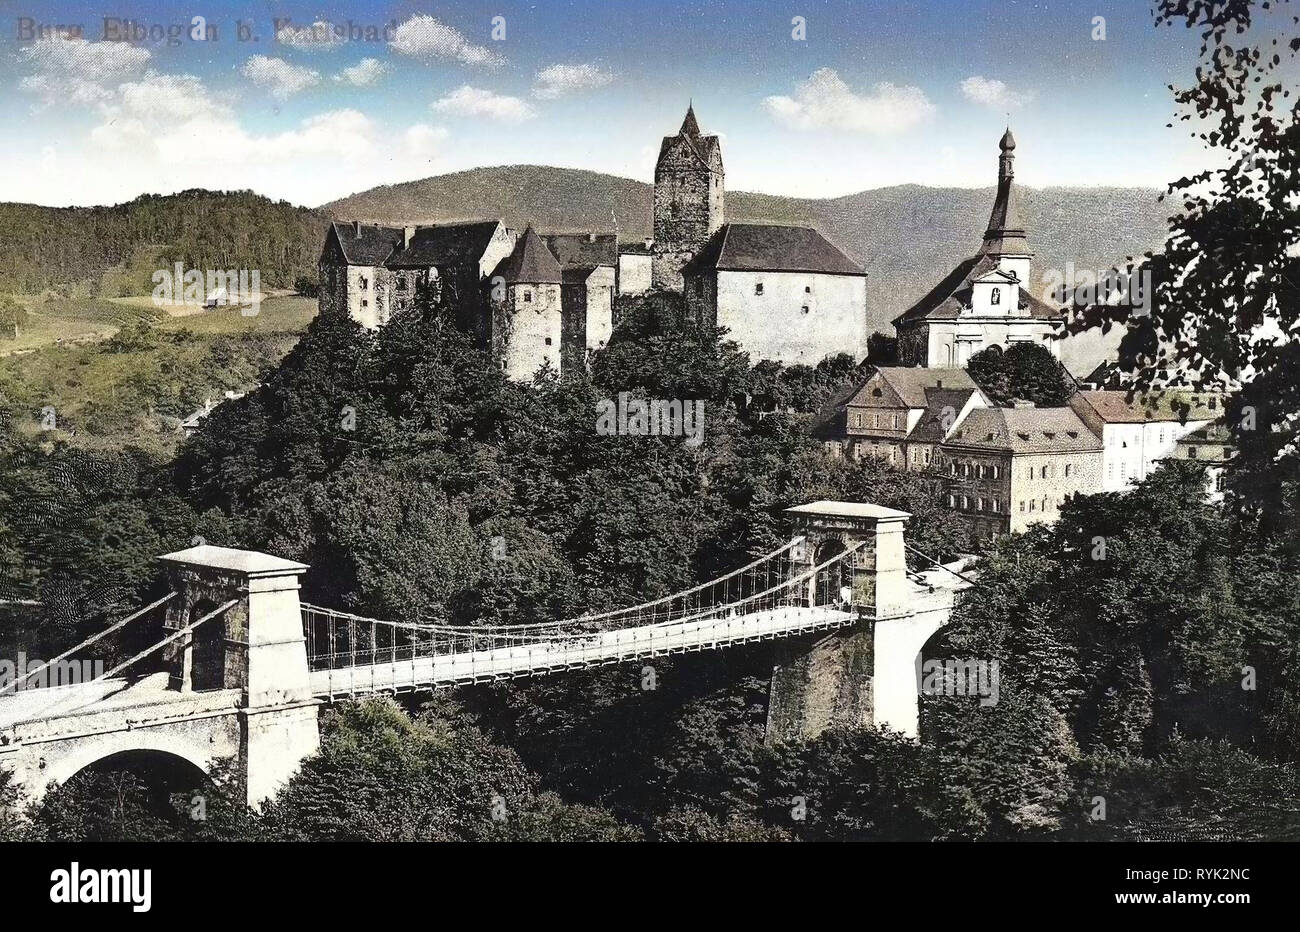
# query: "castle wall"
{"points": [[775, 324]]}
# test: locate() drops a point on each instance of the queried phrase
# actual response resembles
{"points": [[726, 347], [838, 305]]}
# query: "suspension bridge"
{"points": [[241, 664]]}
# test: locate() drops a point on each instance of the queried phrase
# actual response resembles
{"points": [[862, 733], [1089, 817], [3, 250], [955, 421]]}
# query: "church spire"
{"points": [[690, 127], [1005, 235]]}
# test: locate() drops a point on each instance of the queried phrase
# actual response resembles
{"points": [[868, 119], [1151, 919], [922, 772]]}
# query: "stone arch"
{"points": [[77, 756]]}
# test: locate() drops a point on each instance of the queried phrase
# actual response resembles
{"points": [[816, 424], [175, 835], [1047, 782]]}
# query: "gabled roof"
{"points": [[1025, 430], [1114, 407], [899, 386], [530, 263], [946, 300], [583, 250], [770, 247], [943, 406], [372, 246], [909, 385], [446, 244]]}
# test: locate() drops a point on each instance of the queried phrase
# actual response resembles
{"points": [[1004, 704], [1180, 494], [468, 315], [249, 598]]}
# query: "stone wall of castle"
{"points": [[688, 209]]}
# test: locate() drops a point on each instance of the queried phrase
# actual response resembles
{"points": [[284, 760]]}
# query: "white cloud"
{"points": [[474, 101], [557, 80], [320, 36], [73, 70], [990, 92], [363, 73], [424, 141], [282, 79], [424, 37], [825, 101]]}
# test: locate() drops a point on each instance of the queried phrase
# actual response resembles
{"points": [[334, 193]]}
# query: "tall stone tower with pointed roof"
{"points": [[688, 201], [526, 327]]}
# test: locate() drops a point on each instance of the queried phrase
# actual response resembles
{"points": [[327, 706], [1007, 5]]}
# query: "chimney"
{"points": [[408, 233], [356, 228]]}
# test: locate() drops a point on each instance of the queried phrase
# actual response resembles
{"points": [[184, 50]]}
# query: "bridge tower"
{"points": [[865, 675], [255, 647]]}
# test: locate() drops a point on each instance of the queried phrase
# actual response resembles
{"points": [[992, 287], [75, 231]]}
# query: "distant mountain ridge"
{"points": [[906, 237]]}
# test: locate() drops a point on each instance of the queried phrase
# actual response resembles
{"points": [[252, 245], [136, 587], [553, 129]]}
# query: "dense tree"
{"points": [[1025, 372]]}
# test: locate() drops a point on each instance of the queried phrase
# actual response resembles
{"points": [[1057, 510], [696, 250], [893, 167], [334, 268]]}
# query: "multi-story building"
{"points": [[1007, 468], [1136, 435], [899, 415], [986, 300], [783, 292]]}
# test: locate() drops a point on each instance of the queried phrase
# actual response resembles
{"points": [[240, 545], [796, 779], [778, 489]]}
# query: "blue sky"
{"points": [[879, 93]]}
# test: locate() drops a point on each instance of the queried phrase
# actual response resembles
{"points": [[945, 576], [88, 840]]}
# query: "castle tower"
{"points": [[526, 328], [688, 201], [1005, 238]]}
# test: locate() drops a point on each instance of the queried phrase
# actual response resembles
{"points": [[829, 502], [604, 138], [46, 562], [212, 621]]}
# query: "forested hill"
{"points": [[115, 249]]}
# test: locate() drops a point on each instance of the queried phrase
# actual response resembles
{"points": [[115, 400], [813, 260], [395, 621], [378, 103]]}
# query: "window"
{"points": [[548, 341], [1218, 482], [503, 365], [997, 472], [365, 283], [1067, 470], [1191, 451], [984, 471], [997, 505], [1110, 470], [1042, 472], [965, 503], [927, 457], [857, 420], [979, 504], [996, 297], [528, 296], [807, 289], [1044, 503], [758, 288], [1032, 503], [804, 309], [1022, 506], [952, 501], [365, 303], [1029, 473]]}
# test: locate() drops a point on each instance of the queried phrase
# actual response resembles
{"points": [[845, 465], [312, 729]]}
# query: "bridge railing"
{"points": [[337, 640]]}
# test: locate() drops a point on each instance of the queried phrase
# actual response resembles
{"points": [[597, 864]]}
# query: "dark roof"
{"points": [[943, 405], [704, 148], [639, 248], [530, 263], [769, 247], [900, 386], [1026, 430], [690, 126], [946, 299], [448, 244], [371, 247], [576, 251]]}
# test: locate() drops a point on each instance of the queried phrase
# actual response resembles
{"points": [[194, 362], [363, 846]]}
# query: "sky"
{"points": [[810, 99]]}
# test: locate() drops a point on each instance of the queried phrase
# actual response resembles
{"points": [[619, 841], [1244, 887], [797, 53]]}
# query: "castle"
{"points": [[784, 292]]}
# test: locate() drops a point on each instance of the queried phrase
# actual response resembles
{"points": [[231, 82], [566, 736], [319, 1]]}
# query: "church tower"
{"points": [[688, 200], [1005, 239]]}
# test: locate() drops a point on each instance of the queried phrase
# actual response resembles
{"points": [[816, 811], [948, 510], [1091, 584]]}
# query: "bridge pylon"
{"points": [[256, 647], [864, 675]]}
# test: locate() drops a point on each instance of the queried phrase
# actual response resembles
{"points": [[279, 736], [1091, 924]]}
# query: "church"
{"points": [[985, 301]]}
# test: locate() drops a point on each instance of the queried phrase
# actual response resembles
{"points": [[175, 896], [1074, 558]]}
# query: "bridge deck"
{"points": [[576, 652]]}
